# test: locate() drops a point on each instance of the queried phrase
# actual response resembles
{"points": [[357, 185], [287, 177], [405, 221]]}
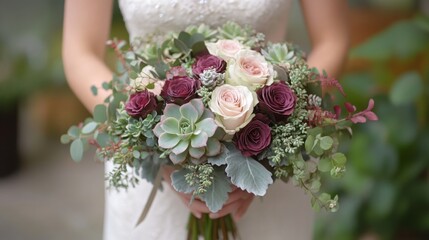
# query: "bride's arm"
{"points": [[327, 27], [86, 29]]}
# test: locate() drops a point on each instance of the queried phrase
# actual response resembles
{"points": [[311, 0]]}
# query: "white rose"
{"points": [[250, 69], [145, 78], [225, 48], [233, 107]]}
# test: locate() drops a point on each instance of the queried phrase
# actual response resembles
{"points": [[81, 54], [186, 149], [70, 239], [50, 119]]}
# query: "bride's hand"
{"points": [[237, 204]]}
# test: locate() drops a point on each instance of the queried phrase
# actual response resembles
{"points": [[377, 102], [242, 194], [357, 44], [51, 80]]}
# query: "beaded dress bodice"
{"points": [[147, 17]]}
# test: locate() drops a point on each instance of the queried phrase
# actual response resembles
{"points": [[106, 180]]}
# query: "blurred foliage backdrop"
{"points": [[385, 193]]}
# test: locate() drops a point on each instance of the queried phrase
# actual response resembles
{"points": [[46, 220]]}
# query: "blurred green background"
{"points": [[384, 194]]}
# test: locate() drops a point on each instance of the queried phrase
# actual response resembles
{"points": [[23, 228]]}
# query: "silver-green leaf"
{"points": [[217, 193], [247, 173], [179, 182], [76, 150]]}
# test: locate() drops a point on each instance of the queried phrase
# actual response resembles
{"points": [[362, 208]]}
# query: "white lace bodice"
{"points": [[147, 17]]}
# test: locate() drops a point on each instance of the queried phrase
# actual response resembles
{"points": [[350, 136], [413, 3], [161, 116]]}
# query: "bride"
{"points": [[284, 213]]}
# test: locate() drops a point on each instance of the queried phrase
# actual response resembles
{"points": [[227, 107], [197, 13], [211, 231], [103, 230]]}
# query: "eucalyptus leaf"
{"points": [[105, 85], [74, 132], [309, 143], [100, 113], [103, 139], [217, 193], [65, 139], [76, 150], [247, 173], [89, 127], [94, 90], [326, 142], [339, 159], [324, 165]]}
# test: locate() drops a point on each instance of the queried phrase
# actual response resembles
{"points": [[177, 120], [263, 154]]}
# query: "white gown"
{"points": [[284, 213]]}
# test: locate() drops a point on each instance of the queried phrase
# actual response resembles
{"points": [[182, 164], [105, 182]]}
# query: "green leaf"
{"points": [[136, 154], [150, 166], [100, 113], [324, 165], [326, 142], [339, 159], [217, 193], [133, 75], [309, 143], [65, 139], [181, 46], [76, 150], [179, 182], [74, 132], [407, 88], [199, 47], [247, 173], [103, 139], [89, 127], [105, 85], [94, 90]]}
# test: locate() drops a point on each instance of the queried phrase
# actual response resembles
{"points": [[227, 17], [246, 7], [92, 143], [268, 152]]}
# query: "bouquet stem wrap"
{"points": [[211, 229]]}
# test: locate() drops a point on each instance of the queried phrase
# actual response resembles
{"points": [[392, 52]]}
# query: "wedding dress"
{"points": [[284, 213]]}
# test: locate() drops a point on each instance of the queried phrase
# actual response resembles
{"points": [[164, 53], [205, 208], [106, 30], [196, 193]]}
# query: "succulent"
{"points": [[203, 29], [210, 78], [187, 132], [279, 54]]}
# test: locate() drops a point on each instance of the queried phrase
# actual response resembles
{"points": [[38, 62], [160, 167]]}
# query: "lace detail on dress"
{"points": [[147, 17]]}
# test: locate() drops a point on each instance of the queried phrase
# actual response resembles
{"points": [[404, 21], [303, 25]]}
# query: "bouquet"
{"points": [[225, 108]]}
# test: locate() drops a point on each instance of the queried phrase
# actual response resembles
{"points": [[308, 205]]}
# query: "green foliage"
{"points": [[217, 193], [385, 189], [247, 173], [407, 88]]}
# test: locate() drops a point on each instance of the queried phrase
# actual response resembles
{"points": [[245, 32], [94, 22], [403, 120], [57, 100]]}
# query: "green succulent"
{"points": [[203, 29], [187, 132], [280, 54]]}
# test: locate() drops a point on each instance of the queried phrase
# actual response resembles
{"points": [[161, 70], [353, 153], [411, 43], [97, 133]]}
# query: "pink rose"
{"points": [[250, 69], [232, 106], [225, 49]]}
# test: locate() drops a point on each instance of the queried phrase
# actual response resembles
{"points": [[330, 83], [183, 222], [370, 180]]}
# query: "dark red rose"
{"points": [[207, 61], [180, 89], [254, 137], [277, 100], [141, 104]]}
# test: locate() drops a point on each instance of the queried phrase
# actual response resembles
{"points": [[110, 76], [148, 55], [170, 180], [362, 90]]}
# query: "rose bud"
{"points": [[207, 61], [254, 138], [277, 100], [180, 89], [141, 104]]}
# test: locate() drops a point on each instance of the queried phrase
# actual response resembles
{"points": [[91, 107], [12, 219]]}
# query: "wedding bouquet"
{"points": [[224, 108]]}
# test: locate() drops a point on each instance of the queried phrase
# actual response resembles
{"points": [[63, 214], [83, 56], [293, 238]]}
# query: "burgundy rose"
{"points": [[277, 100], [141, 104], [254, 137], [207, 61], [180, 89]]}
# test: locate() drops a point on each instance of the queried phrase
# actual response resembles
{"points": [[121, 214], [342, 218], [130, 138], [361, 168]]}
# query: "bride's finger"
{"points": [[227, 209], [237, 195], [242, 209]]}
